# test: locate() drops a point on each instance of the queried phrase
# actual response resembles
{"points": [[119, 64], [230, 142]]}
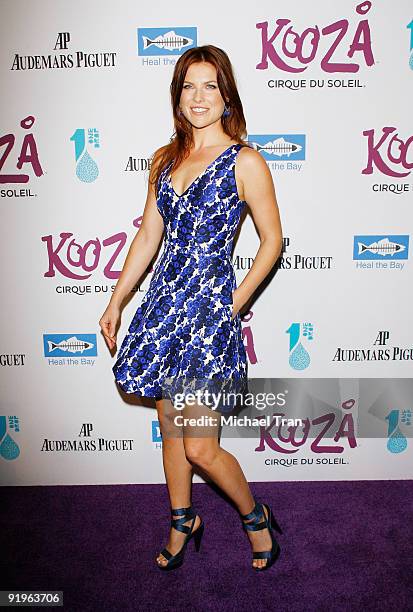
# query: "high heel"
{"points": [[260, 521], [185, 514], [198, 536], [274, 523]]}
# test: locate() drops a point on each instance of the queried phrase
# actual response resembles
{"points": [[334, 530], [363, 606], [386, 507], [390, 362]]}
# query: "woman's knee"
{"points": [[200, 452], [166, 418]]}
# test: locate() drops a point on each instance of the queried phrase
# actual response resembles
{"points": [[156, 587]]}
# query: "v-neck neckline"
{"points": [[200, 175]]}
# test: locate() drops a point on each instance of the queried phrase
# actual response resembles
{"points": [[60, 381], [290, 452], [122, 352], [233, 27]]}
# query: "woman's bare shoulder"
{"points": [[250, 162], [249, 157]]}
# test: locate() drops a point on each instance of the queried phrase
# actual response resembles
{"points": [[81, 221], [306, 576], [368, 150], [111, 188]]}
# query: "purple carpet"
{"points": [[345, 546]]}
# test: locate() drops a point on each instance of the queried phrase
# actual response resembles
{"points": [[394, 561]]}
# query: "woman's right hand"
{"points": [[108, 324]]}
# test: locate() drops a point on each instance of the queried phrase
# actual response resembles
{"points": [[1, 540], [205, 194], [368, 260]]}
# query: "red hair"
{"points": [[233, 125]]}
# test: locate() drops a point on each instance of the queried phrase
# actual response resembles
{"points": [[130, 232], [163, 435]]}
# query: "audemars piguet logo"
{"points": [[61, 59], [87, 442], [381, 350], [299, 260]]}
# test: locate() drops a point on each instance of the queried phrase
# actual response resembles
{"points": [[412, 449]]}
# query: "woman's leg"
{"points": [[202, 448], [178, 472]]}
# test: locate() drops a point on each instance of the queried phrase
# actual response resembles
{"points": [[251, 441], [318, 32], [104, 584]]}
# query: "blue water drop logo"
{"points": [[397, 442], [8, 448], [87, 169], [299, 359]]}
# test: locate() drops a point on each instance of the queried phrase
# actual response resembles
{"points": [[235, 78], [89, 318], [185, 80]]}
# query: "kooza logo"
{"points": [[86, 167], [166, 41], [23, 158], [65, 345], [388, 153], [282, 43], [68, 256], [324, 429], [9, 449], [299, 358], [381, 247]]}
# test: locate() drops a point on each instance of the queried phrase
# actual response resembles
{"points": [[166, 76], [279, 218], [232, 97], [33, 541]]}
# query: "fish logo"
{"points": [[382, 247], [71, 345], [379, 247], [156, 432], [279, 146], [57, 345], [170, 40], [165, 41]]}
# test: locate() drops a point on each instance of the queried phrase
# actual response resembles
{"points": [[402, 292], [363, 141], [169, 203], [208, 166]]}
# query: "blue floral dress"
{"points": [[183, 336]]}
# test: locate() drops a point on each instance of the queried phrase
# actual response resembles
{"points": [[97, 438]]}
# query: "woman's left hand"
{"points": [[236, 305]]}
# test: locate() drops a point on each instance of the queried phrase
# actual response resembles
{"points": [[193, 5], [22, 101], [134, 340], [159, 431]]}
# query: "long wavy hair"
{"points": [[182, 140]]}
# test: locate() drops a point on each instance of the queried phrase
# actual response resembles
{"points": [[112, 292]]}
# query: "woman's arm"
{"points": [[143, 247], [141, 252], [256, 187]]}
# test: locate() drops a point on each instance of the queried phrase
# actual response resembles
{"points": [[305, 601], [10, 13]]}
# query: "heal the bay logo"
{"points": [[156, 434], [383, 251], [281, 151], [70, 349], [157, 45]]}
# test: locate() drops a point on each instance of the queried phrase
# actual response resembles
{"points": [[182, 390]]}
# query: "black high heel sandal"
{"points": [[257, 524], [175, 561]]}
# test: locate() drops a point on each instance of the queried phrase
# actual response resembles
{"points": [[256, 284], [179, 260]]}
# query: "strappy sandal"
{"points": [[185, 514], [262, 522]]}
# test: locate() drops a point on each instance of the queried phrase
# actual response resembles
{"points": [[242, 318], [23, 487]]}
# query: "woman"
{"points": [[188, 323]]}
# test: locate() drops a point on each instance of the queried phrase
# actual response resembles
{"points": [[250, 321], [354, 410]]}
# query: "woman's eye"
{"points": [[187, 85]]}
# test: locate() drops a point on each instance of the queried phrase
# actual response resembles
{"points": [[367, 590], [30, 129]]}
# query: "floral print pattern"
{"points": [[184, 330]]}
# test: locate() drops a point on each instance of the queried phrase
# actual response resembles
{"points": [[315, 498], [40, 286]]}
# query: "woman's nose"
{"points": [[197, 96]]}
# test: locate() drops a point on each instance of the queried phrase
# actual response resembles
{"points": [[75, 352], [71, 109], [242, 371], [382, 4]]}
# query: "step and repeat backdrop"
{"points": [[327, 93]]}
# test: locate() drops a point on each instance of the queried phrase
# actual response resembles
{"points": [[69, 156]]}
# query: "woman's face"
{"points": [[201, 101]]}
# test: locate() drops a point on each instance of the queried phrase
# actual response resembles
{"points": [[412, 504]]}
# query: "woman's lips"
{"points": [[199, 112]]}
